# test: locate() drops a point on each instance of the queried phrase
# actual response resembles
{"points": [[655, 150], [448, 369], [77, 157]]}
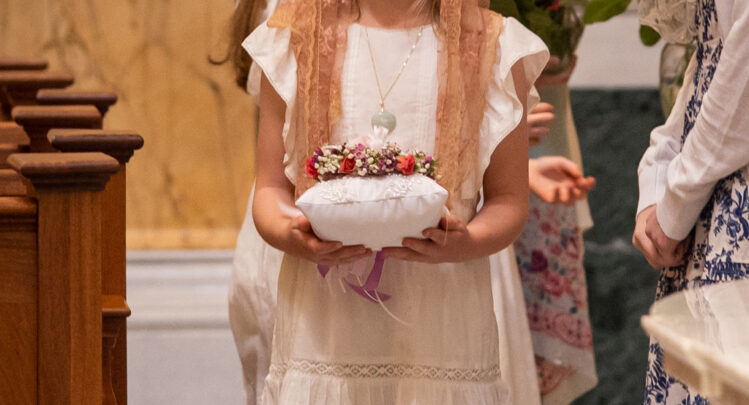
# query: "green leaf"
{"points": [[649, 36], [602, 10]]}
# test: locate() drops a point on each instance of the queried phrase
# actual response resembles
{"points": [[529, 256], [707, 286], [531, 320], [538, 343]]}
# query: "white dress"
{"points": [[330, 345]]}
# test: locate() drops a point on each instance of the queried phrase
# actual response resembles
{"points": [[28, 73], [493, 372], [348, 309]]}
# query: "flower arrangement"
{"points": [[559, 23], [332, 161]]}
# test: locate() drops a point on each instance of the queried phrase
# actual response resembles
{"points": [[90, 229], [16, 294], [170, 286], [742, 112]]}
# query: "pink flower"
{"points": [[538, 262], [555, 249], [310, 168], [347, 165], [546, 228], [553, 284], [406, 164]]}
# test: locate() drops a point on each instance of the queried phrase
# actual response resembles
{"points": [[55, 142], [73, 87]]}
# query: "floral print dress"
{"points": [[550, 261], [721, 236]]}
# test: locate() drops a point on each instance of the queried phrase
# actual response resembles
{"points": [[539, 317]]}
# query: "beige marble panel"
{"points": [[189, 186]]}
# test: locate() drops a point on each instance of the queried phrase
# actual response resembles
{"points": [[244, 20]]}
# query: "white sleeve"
{"points": [[718, 145], [665, 142]]}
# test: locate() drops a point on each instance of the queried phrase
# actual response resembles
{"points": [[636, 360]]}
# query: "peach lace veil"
{"points": [[468, 34]]}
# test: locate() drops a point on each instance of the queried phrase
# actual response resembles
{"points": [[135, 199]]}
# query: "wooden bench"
{"points": [[51, 288]]}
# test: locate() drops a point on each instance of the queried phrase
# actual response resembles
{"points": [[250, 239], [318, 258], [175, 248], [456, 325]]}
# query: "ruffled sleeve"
{"points": [[504, 111], [272, 56]]}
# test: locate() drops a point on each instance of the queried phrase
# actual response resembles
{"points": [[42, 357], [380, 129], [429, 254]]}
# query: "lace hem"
{"points": [[386, 371]]}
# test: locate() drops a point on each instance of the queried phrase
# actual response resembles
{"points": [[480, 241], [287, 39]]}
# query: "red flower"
{"points": [[554, 6], [406, 164], [347, 166], [310, 168], [538, 262]]}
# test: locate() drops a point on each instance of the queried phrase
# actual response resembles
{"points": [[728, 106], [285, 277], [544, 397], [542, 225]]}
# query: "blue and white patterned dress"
{"points": [[721, 235]]}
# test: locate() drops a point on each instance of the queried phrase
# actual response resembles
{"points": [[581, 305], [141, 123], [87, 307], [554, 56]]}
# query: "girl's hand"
{"points": [[302, 242], [448, 243], [557, 180], [539, 120], [555, 79]]}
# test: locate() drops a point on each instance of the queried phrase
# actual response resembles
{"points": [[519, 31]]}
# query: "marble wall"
{"points": [[188, 187]]}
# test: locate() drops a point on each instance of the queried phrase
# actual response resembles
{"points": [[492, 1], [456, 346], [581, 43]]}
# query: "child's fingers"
{"points": [[346, 254], [451, 223], [537, 133], [401, 253], [588, 183], [540, 118], [570, 168], [564, 195], [423, 246], [319, 247], [436, 235], [543, 107]]}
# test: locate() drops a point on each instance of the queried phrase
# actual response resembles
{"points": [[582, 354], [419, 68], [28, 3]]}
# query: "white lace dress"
{"points": [[330, 345]]}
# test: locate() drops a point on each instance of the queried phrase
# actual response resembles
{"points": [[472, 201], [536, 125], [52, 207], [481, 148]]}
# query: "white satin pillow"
{"points": [[375, 212]]}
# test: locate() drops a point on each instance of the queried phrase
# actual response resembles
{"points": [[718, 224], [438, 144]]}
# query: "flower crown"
{"points": [[333, 161]]}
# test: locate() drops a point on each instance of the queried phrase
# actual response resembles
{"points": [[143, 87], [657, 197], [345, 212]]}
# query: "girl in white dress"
{"points": [[332, 346]]}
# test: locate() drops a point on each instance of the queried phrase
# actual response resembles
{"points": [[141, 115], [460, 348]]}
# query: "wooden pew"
{"points": [[23, 64], [51, 281], [102, 100], [13, 139], [38, 120], [121, 146], [20, 87]]}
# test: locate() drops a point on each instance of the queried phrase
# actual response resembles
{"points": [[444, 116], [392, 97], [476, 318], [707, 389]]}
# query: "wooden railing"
{"points": [[62, 228]]}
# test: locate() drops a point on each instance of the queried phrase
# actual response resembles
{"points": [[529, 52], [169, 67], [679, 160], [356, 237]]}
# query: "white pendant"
{"points": [[385, 119]]}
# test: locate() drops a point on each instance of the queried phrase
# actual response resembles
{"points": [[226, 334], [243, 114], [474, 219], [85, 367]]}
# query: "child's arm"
{"points": [[273, 191], [505, 210]]}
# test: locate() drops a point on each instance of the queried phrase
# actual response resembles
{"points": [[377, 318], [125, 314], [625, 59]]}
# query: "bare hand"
{"points": [[539, 120], [448, 243], [659, 250], [558, 180], [555, 79], [305, 244]]}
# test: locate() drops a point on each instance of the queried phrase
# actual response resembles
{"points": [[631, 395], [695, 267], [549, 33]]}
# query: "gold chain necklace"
{"points": [[384, 118]]}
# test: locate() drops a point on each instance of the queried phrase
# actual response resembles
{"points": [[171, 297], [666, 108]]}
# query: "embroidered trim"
{"points": [[386, 371]]}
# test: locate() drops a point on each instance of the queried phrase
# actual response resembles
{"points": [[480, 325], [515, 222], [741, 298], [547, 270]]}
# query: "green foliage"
{"points": [[603, 10], [649, 36], [550, 19]]}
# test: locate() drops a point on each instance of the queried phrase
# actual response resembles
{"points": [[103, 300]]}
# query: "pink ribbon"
{"points": [[369, 289]]}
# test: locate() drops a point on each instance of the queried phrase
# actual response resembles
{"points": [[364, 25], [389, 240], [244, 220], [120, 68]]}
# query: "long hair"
{"points": [[243, 22]]}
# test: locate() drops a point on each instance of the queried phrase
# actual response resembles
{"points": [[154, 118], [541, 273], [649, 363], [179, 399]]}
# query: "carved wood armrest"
{"points": [[38, 120], [13, 184], [65, 171], [17, 213], [10, 132], [114, 306], [119, 144], [23, 64], [67, 116], [100, 99], [34, 79]]}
